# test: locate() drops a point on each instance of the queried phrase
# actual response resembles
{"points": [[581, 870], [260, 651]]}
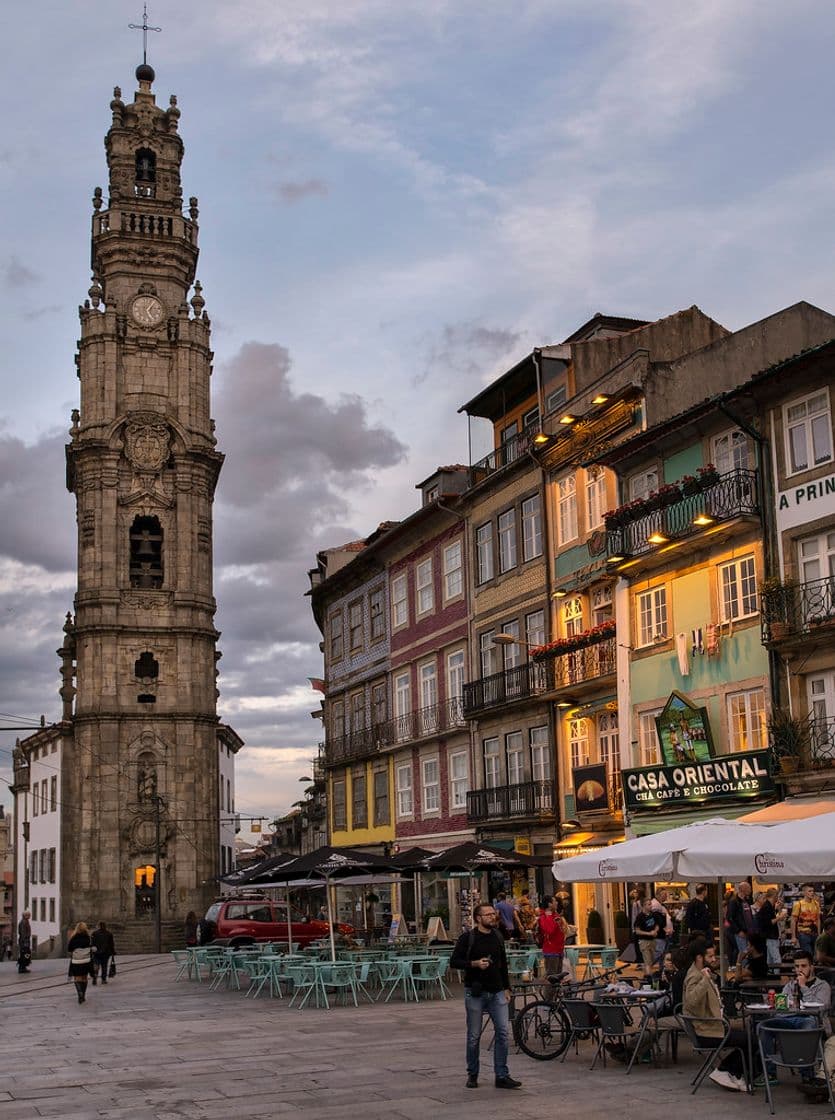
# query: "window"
{"points": [[487, 653], [484, 552], [746, 720], [42, 865], [607, 738], [377, 614], [402, 695], [53, 794], [535, 628], [355, 625], [737, 589], [378, 704], [458, 780], [425, 588], [816, 558], [431, 785], [652, 616], [808, 432], [36, 801], [431, 494], [507, 540], [642, 484], [45, 796], [820, 692], [51, 865], [512, 652], [357, 703], [455, 674], [531, 528], [33, 867], [145, 566], [510, 445], [556, 398], [492, 764], [359, 800], [399, 601], [43, 910], [578, 739], [567, 509], [601, 604], [340, 818], [595, 497], [540, 754], [403, 788], [530, 420], [146, 169], [453, 571], [428, 678], [729, 452], [648, 738], [381, 797], [338, 719], [336, 636], [52, 909], [514, 747]]}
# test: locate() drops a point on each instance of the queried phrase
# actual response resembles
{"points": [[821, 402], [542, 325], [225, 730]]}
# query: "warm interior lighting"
{"points": [[565, 703], [601, 398], [541, 438], [568, 418], [703, 519], [657, 538], [560, 593], [615, 559]]}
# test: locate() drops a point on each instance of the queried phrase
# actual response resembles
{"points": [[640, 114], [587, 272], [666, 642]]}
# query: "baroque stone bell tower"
{"points": [[142, 756]]}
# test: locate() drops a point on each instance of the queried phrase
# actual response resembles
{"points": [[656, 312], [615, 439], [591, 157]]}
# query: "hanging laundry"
{"points": [[712, 640], [682, 654], [698, 641]]}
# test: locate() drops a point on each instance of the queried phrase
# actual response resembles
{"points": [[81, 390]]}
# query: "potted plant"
{"points": [[691, 485], [708, 475], [594, 928], [777, 601], [623, 934], [787, 734]]}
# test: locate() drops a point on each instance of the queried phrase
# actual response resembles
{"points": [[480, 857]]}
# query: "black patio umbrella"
{"points": [[247, 874], [474, 857], [327, 863], [410, 863]]}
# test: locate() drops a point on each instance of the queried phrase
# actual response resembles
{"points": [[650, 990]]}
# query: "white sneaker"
{"points": [[721, 1077], [741, 1084]]}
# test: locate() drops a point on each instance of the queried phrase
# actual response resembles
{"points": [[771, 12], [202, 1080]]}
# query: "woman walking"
{"points": [[80, 949]]}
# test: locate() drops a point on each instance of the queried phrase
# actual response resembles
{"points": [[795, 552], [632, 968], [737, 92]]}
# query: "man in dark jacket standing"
{"points": [[24, 943], [480, 954], [103, 949]]}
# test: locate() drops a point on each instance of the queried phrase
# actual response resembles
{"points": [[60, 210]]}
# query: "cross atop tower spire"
{"points": [[144, 27]]}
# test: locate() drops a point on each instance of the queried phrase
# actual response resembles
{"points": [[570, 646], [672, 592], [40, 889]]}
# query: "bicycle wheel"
{"points": [[541, 1030]]}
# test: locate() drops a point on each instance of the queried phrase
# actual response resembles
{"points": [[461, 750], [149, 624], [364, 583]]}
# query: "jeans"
{"points": [[772, 953], [807, 941], [741, 942], [495, 1004], [101, 962], [786, 1023]]}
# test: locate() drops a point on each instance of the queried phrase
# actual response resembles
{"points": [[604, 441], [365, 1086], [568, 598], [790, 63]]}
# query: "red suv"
{"points": [[244, 920]]}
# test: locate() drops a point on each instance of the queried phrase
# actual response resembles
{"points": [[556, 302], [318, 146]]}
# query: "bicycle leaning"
{"points": [[541, 1028]]}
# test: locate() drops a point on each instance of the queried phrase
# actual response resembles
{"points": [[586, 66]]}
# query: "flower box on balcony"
{"points": [[576, 642]]}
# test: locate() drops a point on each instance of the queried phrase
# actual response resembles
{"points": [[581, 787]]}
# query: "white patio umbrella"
{"points": [[786, 850]]}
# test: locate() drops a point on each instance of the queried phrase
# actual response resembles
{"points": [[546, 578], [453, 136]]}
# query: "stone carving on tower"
{"points": [[141, 736]]}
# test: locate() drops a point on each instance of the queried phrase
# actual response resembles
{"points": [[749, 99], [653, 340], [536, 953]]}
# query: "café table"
{"points": [[755, 1013], [645, 1000]]}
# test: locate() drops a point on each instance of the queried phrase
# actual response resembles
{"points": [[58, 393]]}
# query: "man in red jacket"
{"points": [[551, 928]]}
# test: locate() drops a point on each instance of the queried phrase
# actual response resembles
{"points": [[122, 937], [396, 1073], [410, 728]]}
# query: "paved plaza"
{"points": [[147, 1048]]}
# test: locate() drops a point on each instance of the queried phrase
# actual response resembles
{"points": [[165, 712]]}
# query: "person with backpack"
{"points": [[550, 935], [480, 954]]}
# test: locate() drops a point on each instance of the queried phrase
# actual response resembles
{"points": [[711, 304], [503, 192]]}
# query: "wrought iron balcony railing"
{"points": [[658, 521], [797, 608], [502, 456], [420, 724], [822, 741], [520, 683], [585, 664], [526, 799]]}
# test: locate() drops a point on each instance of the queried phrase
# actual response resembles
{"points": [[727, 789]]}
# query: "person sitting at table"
{"points": [[804, 988], [752, 963], [648, 927], [662, 1010], [701, 1003]]}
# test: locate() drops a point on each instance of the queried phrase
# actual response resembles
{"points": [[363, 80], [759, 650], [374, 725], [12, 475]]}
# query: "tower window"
{"points": [[146, 173], [146, 553], [146, 667]]}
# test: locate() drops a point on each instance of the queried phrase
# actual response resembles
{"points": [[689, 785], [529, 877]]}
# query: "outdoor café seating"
{"points": [[800, 1051]]}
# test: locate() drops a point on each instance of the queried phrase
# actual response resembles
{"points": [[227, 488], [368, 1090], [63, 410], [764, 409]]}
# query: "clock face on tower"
{"points": [[147, 311]]}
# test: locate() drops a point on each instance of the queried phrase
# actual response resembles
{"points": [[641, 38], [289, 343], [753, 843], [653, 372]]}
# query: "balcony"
{"points": [[520, 683], [502, 456], [526, 799], [679, 511], [796, 610], [585, 666], [411, 727]]}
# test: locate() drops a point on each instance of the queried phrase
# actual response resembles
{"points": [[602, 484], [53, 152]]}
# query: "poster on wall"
{"points": [[590, 792], [683, 732]]}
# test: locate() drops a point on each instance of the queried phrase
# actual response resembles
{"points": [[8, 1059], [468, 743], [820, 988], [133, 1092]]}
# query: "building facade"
{"points": [[143, 770]]}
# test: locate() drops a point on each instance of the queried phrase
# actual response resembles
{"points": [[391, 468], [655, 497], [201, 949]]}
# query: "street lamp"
{"points": [[509, 640]]}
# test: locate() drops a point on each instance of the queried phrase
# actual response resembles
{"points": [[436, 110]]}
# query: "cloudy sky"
{"points": [[398, 198]]}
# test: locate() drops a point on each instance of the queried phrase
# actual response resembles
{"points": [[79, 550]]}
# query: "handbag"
{"points": [[112, 970], [82, 956]]}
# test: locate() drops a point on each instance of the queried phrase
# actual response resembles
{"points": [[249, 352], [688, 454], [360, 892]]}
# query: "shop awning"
{"points": [[659, 822], [792, 809]]}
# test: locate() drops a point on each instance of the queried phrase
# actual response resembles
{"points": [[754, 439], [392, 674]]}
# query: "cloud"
{"points": [[295, 192], [39, 313], [466, 348], [35, 509], [17, 275]]}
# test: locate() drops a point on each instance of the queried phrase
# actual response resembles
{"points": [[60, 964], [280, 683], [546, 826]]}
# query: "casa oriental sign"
{"points": [[742, 776]]}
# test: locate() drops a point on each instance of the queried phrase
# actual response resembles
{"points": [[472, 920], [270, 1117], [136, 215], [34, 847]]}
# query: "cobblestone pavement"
{"points": [[147, 1048]]}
